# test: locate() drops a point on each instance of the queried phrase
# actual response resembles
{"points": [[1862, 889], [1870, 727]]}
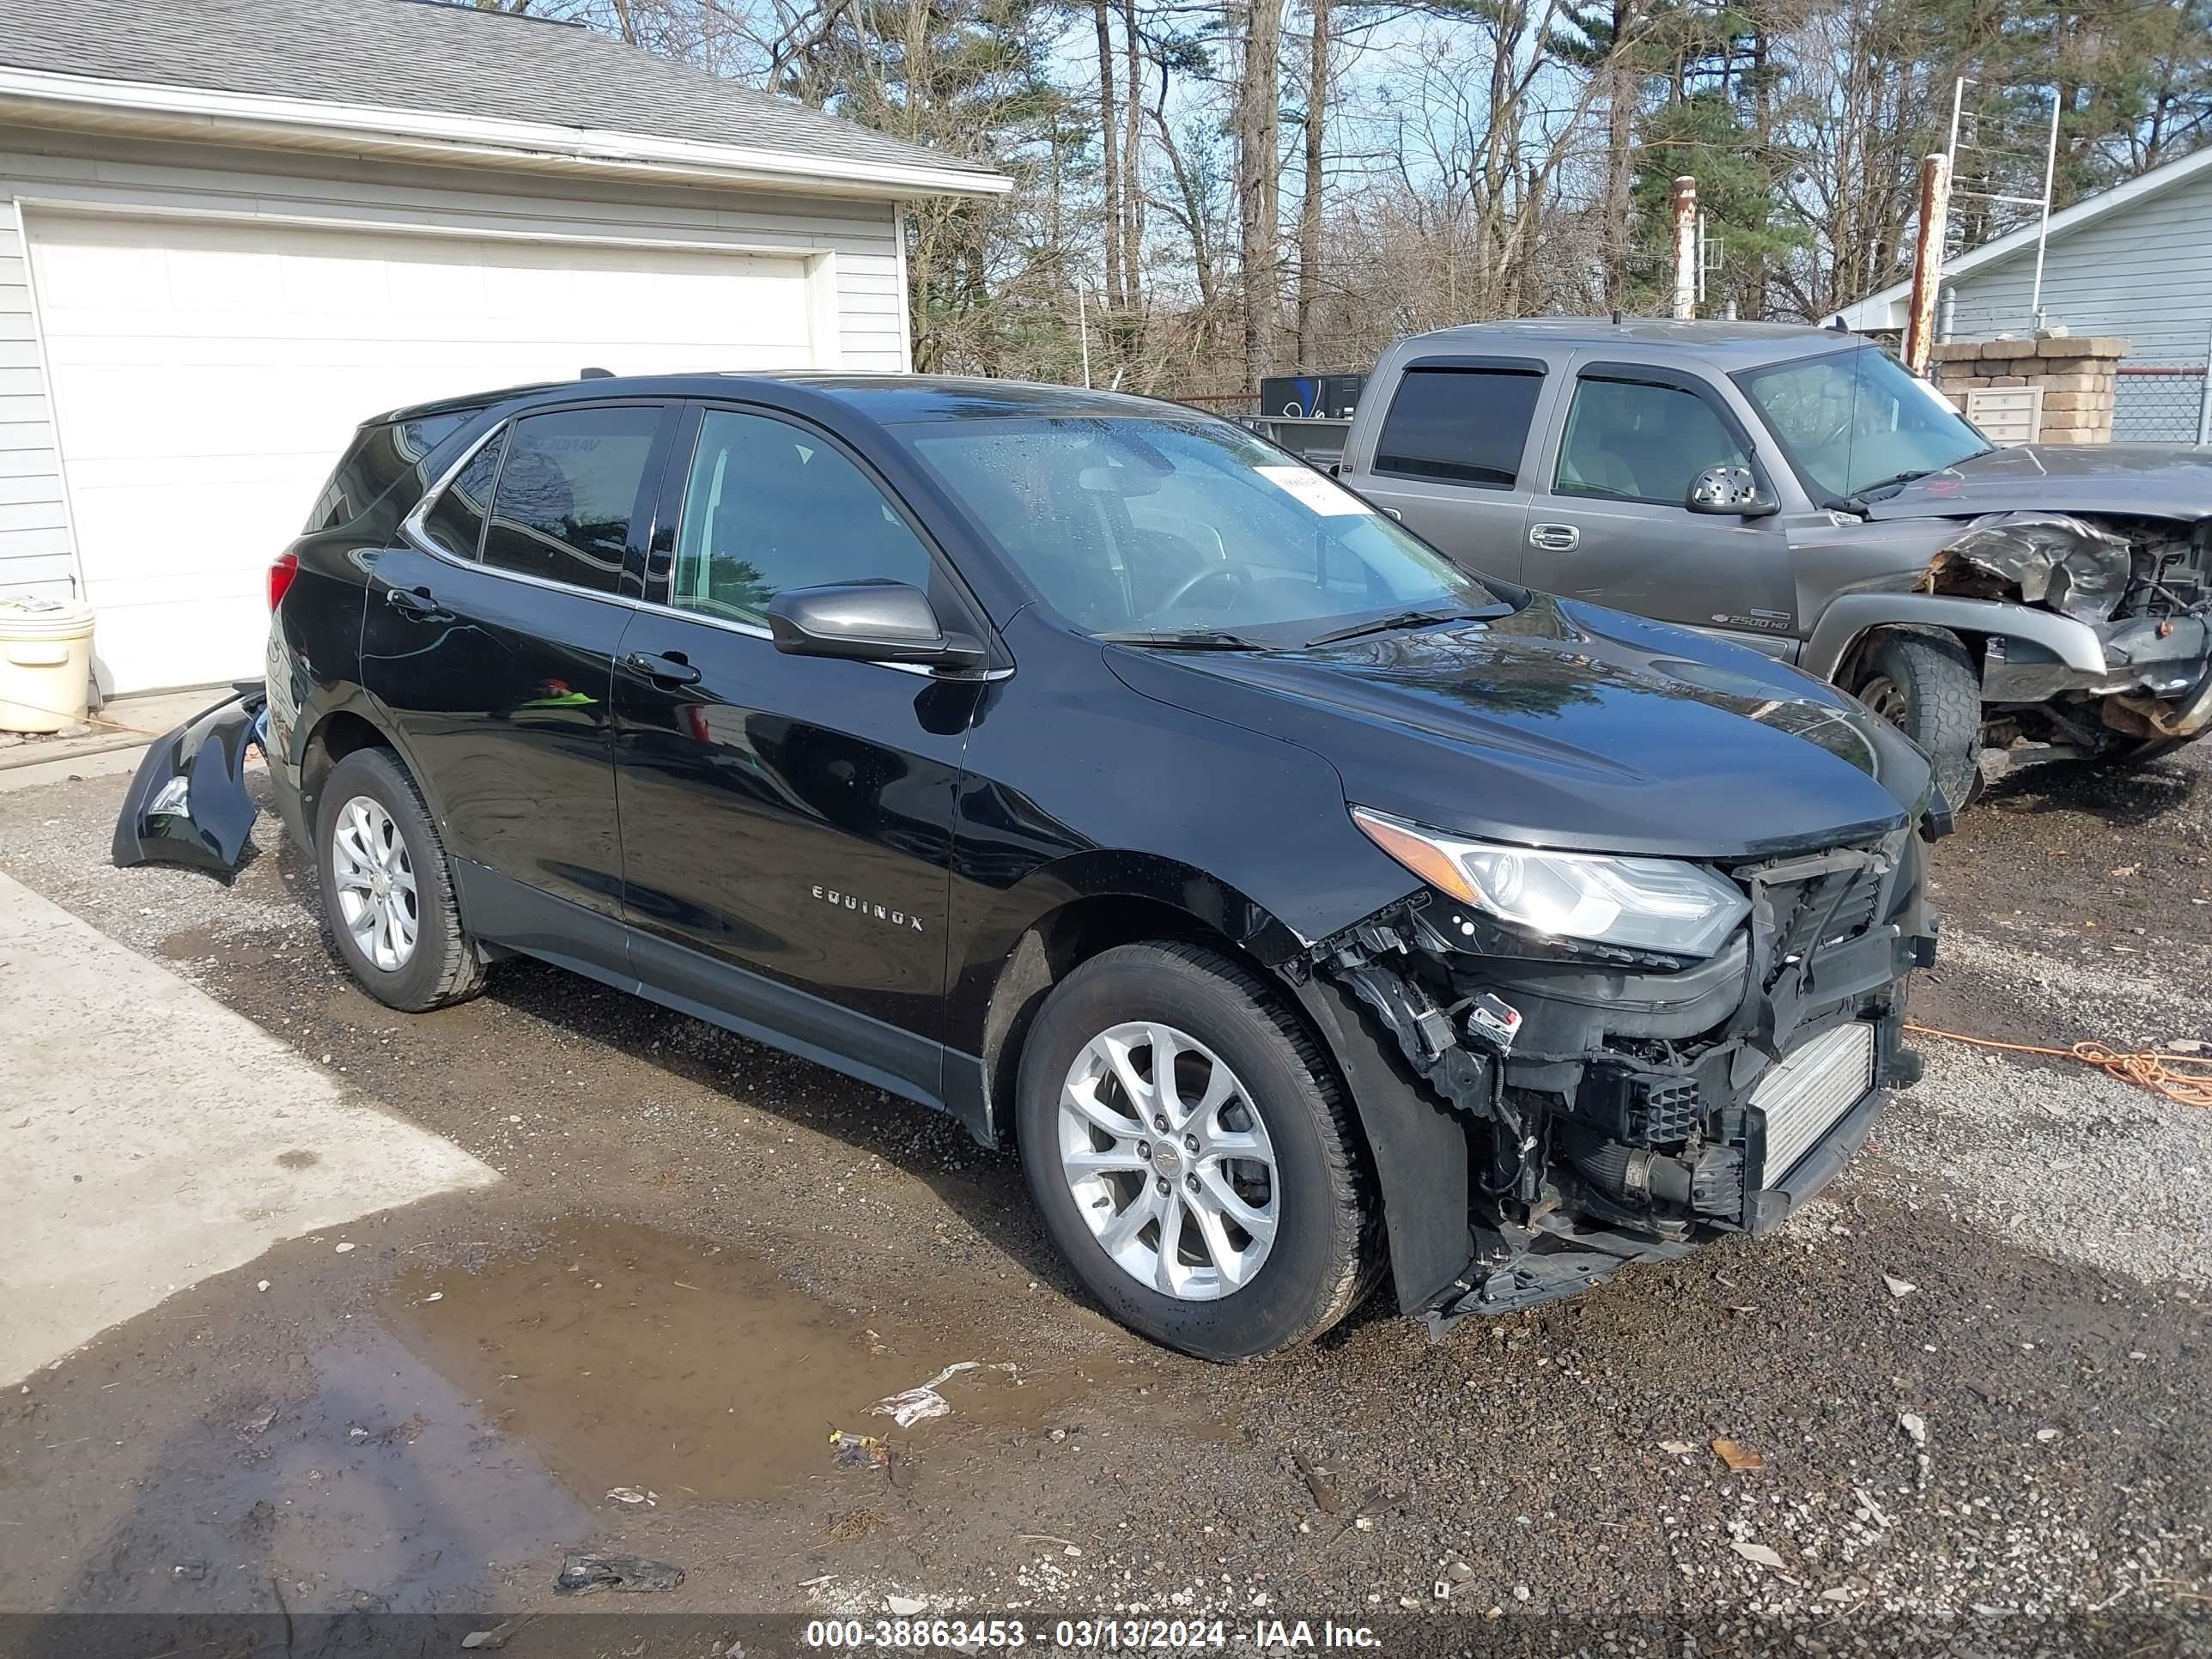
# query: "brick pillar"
{"points": [[2077, 373]]}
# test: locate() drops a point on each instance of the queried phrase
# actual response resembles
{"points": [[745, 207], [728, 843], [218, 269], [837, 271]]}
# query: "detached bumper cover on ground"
{"points": [[188, 802]]}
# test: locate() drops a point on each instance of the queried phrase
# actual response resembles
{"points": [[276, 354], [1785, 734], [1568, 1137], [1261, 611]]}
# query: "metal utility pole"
{"points": [[1082, 331], [1927, 260], [1684, 206]]}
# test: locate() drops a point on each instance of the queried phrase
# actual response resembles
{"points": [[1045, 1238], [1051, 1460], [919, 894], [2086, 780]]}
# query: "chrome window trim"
{"points": [[411, 527]]}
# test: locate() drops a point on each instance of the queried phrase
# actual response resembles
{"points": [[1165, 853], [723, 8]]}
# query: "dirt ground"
{"points": [[704, 1257]]}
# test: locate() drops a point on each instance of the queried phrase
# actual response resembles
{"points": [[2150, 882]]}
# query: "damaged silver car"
{"points": [[1798, 490]]}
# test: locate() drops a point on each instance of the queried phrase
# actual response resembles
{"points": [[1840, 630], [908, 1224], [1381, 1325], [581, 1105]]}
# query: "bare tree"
{"points": [[1314, 132], [1259, 184]]}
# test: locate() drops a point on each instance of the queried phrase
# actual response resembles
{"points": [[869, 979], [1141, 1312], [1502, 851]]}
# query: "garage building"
{"points": [[228, 234]]}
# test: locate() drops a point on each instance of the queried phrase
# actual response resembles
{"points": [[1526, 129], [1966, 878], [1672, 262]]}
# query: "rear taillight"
{"points": [[286, 567]]}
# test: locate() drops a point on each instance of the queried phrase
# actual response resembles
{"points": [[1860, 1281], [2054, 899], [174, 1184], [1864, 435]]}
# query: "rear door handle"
{"points": [[1555, 538], [668, 669], [416, 602]]}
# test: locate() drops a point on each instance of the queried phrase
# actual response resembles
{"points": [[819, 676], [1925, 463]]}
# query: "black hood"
{"points": [[1567, 725], [2154, 480]]}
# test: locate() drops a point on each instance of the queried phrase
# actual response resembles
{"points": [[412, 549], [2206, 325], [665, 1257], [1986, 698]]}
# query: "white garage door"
{"points": [[206, 376]]}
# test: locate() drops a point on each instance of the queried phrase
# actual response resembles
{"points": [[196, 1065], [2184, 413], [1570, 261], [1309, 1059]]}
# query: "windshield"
{"points": [[1856, 421], [1130, 525]]}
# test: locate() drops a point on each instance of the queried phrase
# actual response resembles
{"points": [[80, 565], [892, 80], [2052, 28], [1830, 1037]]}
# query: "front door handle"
{"points": [[1555, 538], [668, 669]]}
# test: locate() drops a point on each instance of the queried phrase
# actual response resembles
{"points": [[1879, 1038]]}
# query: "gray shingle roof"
{"points": [[449, 59]]}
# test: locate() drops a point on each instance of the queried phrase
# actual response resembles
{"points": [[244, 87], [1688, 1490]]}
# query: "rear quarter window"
{"points": [[1459, 425], [381, 455]]}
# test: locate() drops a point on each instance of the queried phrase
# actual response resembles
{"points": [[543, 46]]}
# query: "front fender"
{"points": [[188, 802], [1849, 616]]}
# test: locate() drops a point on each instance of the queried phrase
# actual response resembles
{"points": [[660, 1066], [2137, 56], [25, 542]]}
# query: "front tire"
{"points": [[387, 889], [1923, 683], [1226, 1215]]}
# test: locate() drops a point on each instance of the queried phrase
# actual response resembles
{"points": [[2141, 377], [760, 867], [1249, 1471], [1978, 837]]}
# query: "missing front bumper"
{"points": [[1635, 1109]]}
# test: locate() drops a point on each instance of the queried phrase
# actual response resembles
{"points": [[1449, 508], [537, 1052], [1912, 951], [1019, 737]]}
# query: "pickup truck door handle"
{"points": [[671, 670], [1554, 538]]}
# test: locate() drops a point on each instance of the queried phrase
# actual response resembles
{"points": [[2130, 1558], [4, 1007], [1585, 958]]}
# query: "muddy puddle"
{"points": [[632, 1360], [377, 1487]]}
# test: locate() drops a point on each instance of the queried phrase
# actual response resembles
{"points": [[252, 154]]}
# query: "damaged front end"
{"points": [[1628, 1104], [188, 802], [2142, 590]]}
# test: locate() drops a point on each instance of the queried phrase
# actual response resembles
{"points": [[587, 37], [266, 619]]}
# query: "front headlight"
{"points": [[1645, 904]]}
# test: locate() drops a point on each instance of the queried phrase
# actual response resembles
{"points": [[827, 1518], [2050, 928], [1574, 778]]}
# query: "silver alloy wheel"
{"points": [[1168, 1162], [376, 883]]}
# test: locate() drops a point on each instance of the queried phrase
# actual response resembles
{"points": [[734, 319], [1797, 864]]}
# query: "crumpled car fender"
{"points": [[188, 802]]}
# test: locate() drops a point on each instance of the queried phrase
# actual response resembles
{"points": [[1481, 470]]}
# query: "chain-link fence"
{"points": [[2161, 404]]}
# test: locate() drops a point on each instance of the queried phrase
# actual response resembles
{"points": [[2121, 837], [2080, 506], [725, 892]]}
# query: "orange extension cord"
{"points": [[2178, 1077]]}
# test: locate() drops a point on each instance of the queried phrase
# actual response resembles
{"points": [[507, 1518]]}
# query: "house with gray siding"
{"points": [[2134, 261], [227, 234]]}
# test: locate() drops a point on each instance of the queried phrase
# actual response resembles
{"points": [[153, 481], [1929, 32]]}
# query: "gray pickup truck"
{"points": [[1798, 490]]}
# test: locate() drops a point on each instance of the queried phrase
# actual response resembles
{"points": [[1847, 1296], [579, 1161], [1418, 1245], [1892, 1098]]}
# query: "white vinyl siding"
{"points": [[291, 252], [34, 539], [2143, 271]]}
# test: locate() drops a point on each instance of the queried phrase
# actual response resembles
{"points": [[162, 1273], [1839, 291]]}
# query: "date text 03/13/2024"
{"points": [[1090, 1635]]}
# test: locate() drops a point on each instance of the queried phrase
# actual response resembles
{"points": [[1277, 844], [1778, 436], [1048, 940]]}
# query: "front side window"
{"points": [[568, 494], [1858, 421], [770, 507], [1459, 425], [1629, 440], [1130, 524]]}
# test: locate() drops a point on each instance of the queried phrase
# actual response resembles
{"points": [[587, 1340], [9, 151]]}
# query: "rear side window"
{"points": [[382, 456], [566, 495], [455, 522], [1461, 425]]}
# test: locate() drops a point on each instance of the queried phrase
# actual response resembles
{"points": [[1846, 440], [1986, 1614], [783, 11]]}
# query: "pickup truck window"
{"points": [[1857, 421], [1630, 440], [1461, 425]]}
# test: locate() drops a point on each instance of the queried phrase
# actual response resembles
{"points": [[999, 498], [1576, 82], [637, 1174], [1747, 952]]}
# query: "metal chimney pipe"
{"points": [[1685, 205]]}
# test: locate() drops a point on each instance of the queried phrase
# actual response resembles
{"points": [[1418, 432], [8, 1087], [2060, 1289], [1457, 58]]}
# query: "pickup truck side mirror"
{"points": [[868, 622], [1733, 490]]}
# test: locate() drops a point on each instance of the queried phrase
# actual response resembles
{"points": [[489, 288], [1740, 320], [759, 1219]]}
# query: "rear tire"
{"points": [[388, 889], [1922, 683], [1260, 1131]]}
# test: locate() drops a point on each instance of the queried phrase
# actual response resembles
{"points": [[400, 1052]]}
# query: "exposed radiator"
{"points": [[1812, 1087]]}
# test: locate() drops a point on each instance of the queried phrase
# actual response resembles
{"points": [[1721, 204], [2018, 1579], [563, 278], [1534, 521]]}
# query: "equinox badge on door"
{"points": [[896, 918]]}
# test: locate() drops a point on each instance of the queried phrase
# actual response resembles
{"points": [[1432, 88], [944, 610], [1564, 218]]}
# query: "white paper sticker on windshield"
{"points": [[1323, 495]]}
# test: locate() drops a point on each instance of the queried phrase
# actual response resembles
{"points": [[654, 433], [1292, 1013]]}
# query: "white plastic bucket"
{"points": [[45, 663]]}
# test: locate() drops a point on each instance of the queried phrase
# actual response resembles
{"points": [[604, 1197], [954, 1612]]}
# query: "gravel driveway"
{"points": [[1972, 1382]]}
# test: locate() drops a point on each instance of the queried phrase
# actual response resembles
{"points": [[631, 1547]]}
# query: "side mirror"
{"points": [[868, 622], [1733, 490]]}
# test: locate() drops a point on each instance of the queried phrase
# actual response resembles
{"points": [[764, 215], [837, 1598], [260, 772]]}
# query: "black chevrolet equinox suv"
{"points": [[1303, 908]]}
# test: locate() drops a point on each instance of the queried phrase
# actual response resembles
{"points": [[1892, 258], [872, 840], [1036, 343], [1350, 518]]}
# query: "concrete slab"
{"points": [[152, 1137]]}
